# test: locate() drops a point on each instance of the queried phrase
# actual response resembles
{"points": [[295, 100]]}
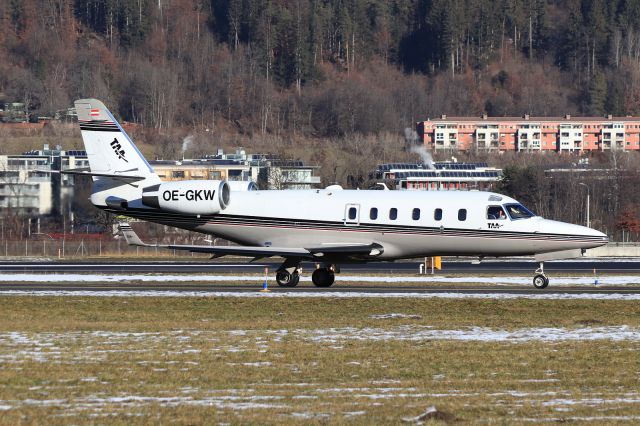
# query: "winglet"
{"points": [[130, 236]]}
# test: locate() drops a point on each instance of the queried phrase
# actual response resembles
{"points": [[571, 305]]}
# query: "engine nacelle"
{"points": [[188, 196], [242, 185]]}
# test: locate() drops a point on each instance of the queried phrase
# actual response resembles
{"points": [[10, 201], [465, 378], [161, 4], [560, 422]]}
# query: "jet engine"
{"points": [[188, 196], [242, 185]]}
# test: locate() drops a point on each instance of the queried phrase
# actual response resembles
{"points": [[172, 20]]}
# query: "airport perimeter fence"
{"points": [[74, 249], [118, 248]]}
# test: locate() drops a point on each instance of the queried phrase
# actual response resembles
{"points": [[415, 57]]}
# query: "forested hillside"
{"points": [[321, 67], [334, 82]]}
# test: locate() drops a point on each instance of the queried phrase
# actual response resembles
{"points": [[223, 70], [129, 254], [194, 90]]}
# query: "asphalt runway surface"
{"points": [[403, 267], [582, 267], [309, 288]]}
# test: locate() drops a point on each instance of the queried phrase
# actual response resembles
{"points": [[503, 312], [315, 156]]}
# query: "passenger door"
{"points": [[352, 214]]}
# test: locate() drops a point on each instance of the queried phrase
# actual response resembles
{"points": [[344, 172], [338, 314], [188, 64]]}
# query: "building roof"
{"points": [[440, 165], [565, 119]]}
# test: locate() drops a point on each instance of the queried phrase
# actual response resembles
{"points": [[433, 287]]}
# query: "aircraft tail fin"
{"points": [[109, 149]]}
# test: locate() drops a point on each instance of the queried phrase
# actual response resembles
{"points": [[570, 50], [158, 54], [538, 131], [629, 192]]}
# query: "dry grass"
{"points": [[181, 361]]}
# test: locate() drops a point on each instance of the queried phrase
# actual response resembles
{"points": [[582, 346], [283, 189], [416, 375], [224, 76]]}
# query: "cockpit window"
{"points": [[518, 211], [496, 213]]}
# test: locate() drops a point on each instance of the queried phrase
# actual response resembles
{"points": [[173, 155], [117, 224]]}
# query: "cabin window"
{"points": [[415, 214], [352, 213], [437, 214], [393, 213], [462, 215], [373, 213], [495, 213]]}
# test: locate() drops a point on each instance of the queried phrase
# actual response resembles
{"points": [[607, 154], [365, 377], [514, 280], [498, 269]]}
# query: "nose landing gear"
{"points": [[540, 280]]}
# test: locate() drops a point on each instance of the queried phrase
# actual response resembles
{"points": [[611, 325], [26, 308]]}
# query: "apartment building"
{"points": [[268, 171], [29, 184], [531, 134]]}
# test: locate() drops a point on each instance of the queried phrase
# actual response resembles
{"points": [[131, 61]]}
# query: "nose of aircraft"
{"points": [[589, 237]]}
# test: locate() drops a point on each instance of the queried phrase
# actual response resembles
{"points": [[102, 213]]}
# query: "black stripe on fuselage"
{"points": [[192, 222], [99, 128]]}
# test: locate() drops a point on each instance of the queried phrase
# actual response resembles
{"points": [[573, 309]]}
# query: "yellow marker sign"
{"points": [[434, 262]]}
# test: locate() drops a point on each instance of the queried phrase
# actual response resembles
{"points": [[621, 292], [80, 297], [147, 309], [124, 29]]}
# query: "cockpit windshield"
{"points": [[518, 211]]}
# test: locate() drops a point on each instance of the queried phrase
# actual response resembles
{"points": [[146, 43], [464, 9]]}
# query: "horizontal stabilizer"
{"points": [[85, 172], [130, 236]]}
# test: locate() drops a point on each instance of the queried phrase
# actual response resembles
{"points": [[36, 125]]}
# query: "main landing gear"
{"points": [[540, 280], [285, 278], [288, 275], [323, 277]]}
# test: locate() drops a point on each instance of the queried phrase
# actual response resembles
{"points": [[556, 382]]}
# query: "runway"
{"points": [[405, 267], [399, 279], [310, 289]]}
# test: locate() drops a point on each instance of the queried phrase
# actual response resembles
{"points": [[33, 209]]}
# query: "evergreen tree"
{"points": [[597, 93]]}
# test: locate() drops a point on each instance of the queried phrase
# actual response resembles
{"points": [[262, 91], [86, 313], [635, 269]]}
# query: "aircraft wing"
{"points": [[356, 251]]}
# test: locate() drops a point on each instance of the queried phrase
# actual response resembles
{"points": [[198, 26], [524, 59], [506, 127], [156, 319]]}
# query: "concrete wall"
{"points": [[615, 250]]}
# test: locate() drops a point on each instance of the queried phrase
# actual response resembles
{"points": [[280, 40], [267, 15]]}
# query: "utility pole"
{"points": [[588, 203]]}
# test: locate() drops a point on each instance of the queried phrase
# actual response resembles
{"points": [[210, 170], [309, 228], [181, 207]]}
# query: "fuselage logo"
{"points": [[117, 148]]}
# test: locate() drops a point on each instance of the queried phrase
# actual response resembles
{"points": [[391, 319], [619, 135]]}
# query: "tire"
{"points": [[323, 277], [295, 279], [540, 281], [285, 279]]}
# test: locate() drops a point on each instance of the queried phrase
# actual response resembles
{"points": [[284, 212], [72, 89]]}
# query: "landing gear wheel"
{"points": [[540, 281], [286, 279], [323, 277]]}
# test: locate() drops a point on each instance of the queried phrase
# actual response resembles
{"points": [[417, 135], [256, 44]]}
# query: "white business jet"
{"points": [[328, 226]]}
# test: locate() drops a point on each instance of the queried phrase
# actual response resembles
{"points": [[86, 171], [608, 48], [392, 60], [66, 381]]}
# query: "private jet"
{"points": [[329, 226]]}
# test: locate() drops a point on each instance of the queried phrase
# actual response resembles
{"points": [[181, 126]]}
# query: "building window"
{"points": [[177, 174], [437, 214], [415, 214], [462, 215], [393, 213], [373, 213]]}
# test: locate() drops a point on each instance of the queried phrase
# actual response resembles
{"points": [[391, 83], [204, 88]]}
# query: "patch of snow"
{"points": [[577, 419], [251, 364], [308, 415], [354, 413], [325, 294], [590, 402], [395, 316], [477, 334]]}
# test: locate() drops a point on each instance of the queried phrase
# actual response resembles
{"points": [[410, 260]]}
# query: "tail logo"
{"points": [[117, 148]]}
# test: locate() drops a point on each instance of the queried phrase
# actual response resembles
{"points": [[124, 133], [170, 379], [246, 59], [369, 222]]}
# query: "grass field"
{"points": [[233, 360]]}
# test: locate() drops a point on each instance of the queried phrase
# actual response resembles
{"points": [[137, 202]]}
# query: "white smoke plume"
{"points": [[410, 135], [427, 159], [186, 142]]}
